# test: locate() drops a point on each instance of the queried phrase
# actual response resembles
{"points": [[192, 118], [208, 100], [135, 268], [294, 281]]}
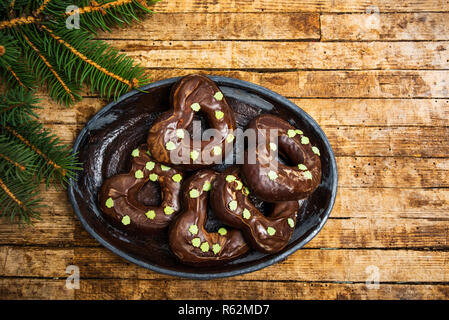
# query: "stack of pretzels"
{"points": [[189, 186]]}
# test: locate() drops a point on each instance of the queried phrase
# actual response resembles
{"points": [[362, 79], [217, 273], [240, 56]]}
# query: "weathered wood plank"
{"points": [[393, 172], [337, 84], [386, 87], [100, 289], [299, 6], [303, 265], [386, 203], [286, 55], [403, 26], [222, 26], [32, 289], [343, 112], [417, 215], [354, 141]]}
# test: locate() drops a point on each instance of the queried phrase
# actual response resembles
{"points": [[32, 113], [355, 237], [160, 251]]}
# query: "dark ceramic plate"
{"points": [[106, 142]]}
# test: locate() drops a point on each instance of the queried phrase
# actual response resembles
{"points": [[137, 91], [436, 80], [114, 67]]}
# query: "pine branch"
{"points": [[111, 13], [13, 73], [16, 160], [102, 66], [17, 107], [18, 200], [55, 162], [43, 67]]}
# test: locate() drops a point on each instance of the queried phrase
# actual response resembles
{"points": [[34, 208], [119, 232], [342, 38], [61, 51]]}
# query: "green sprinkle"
{"points": [[299, 131], [273, 146], [218, 96], [239, 185], [135, 153], [168, 210], [204, 247], [148, 152], [149, 165], [151, 214], [170, 146], [271, 231], [216, 248], [193, 229], [304, 140], [109, 203], [230, 178], [246, 190], [272, 175], [196, 242], [316, 150], [232, 205], [246, 214], [207, 186], [230, 138], [194, 155], [126, 220], [153, 177], [138, 174], [194, 193], [222, 231], [219, 114], [302, 167], [164, 168], [290, 222], [216, 150], [291, 133], [180, 133], [308, 175], [177, 178], [195, 107]]}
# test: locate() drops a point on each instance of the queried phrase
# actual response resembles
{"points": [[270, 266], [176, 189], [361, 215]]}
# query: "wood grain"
{"points": [[337, 84], [378, 86], [411, 26], [222, 26], [347, 265], [91, 289], [327, 112], [289, 55], [264, 6]]}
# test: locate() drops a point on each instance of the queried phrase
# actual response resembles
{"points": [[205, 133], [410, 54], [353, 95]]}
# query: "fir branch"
{"points": [[42, 66], [114, 13], [56, 163], [12, 72], [103, 60], [18, 200], [16, 160], [17, 107]]}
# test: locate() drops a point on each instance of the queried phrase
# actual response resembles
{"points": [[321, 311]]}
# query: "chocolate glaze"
{"points": [[119, 195], [188, 237], [229, 187], [203, 93], [287, 182]]}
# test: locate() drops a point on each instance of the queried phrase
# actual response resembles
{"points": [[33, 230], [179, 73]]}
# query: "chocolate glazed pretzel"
{"points": [[192, 94], [271, 180], [118, 195], [230, 202], [189, 240]]}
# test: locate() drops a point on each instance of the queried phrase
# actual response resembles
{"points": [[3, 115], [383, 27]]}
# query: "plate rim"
{"points": [[233, 82]]}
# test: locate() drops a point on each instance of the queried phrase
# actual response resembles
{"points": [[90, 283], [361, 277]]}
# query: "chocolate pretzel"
{"points": [[118, 197], [272, 180], [189, 240], [230, 202], [193, 94]]}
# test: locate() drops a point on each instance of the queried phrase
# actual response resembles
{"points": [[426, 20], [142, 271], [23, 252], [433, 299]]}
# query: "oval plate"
{"points": [[105, 144]]}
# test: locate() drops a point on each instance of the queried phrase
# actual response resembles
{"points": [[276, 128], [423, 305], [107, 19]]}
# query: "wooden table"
{"points": [[376, 83]]}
